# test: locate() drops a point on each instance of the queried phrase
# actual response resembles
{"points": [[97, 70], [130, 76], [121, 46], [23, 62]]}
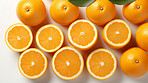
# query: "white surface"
{"points": [[9, 72]]}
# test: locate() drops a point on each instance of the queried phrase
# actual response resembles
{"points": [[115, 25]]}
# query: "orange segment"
{"points": [[117, 34], [49, 38], [67, 63], [101, 64], [18, 37], [32, 63], [82, 34]]}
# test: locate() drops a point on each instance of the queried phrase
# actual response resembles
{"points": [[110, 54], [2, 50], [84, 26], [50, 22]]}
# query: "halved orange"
{"points": [[32, 63], [49, 38], [18, 37], [67, 63], [82, 34], [101, 64], [117, 34]]}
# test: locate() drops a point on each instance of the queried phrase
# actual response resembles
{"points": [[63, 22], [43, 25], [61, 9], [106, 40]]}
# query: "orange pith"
{"points": [[32, 64], [117, 32], [22, 33], [67, 63], [82, 33], [50, 38], [96, 67]]}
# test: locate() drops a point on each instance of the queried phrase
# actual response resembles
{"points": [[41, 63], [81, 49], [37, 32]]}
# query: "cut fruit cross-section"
{"points": [[101, 64], [82, 34], [18, 37], [32, 63], [117, 34], [49, 38], [67, 63]]}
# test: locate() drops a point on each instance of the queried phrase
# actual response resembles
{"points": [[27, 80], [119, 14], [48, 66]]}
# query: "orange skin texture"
{"points": [[36, 13], [128, 62], [98, 16], [61, 15], [142, 36], [135, 15]]}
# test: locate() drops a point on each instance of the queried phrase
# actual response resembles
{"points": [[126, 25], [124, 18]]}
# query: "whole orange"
{"points": [[63, 12], [31, 12], [137, 11], [142, 36], [101, 11], [134, 62]]}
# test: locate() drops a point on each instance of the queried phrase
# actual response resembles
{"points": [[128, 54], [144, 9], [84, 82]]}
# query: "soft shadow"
{"points": [[131, 44], [119, 14]]}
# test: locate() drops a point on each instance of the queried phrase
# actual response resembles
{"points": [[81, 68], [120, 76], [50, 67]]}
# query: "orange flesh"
{"points": [[73, 60], [26, 62], [95, 63], [46, 34], [117, 38], [22, 33], [77, 33]]}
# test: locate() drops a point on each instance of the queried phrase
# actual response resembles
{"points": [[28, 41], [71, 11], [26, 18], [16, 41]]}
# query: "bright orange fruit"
{"points": [[137, 11], [49, 38], [142, 36], [117, 34], [32, 63], [67, 63], [82, 34], [101, 64], [31, 12], [63, 12], [18, 37], [101, 11], [134, 62]]}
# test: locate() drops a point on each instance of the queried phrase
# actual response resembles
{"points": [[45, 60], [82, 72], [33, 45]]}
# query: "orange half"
{"points": [[32, 63], [67, 63], [49, 38], [82, 34], [101, 64], [18, 37], [117, 34]]}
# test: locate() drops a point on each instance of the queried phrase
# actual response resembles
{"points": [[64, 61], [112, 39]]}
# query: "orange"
{"points": [[82, 34], [116, 34], [63, 12], [31, 12], [18, 37], [101, 64], [32, 63], [137, 11], [49, 38], [101, 11], [67, 63], [142, 36], [134, 62]]}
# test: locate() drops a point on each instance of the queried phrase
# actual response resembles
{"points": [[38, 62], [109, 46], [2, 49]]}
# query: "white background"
{"points": [[9, 72]]}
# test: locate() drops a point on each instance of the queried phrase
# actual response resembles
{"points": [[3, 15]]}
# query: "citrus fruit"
{"points": [[67, 63], [134, 62], [63, 12], [31, 12], [32, 63], [101, 64], [101, 11], [49, 38], [18, 37], [117, 34], [142, 36], [137, 11], [82, 34]]}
